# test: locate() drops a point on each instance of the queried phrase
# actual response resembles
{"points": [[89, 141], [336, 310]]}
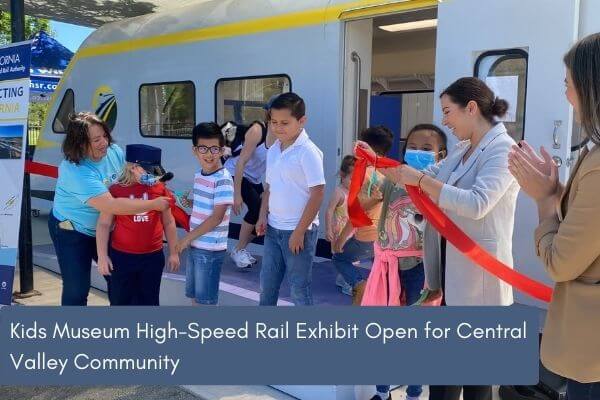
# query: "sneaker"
{"points": [[248, 256], [347, 289], [343, 285], [378, 397], [431, 298], [240, 260]]}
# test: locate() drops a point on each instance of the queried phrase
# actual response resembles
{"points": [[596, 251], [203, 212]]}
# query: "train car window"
{"points": [[242, 99], [167, 109], [505, 71], [66, 108]]}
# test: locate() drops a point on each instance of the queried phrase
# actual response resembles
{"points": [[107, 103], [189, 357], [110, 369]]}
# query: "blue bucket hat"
{"points": [[148, 157]]}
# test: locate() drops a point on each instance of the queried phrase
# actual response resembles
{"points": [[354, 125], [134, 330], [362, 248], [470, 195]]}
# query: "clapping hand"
{"points": [[537, 175]]}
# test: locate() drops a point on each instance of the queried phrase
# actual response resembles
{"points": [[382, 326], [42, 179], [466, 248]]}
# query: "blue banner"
{"points": [[42, 84], [7, 273], [271, 345], [15, 61]]}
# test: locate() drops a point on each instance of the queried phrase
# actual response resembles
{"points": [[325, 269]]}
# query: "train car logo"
{"points": [[104, 104]]}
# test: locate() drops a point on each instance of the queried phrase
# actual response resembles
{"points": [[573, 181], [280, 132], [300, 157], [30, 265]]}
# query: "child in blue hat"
{"points": [[134, 261]]}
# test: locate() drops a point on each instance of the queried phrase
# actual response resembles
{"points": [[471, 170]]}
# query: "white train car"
{"points": [[354, 62]]}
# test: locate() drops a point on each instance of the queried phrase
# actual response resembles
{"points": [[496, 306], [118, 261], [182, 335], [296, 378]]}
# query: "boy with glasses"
{"points": [[209, 222]]}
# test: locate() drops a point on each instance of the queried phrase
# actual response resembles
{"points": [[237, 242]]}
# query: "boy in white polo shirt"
{"points": [[294, 190]]}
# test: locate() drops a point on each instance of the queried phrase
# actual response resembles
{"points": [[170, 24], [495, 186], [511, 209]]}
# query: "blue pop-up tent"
{"points": [[49, 59]]}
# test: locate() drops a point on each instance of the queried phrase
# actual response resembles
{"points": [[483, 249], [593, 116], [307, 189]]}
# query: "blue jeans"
{"points": [[354, 250], [74, 252], [203, 274], [411, 390], [582, 391], [412, 281], [278, 259], [135, 279]]}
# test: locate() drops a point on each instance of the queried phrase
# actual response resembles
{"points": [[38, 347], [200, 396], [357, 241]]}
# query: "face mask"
{"points": [[148, 179], [419, 159]]}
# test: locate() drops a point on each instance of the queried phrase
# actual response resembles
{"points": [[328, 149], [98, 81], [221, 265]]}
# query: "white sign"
{"points": [[507, 88], [14, 99], [14, 108]]}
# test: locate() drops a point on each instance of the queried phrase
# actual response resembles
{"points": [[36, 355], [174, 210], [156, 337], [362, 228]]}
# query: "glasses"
{"points": [[206, 149]]}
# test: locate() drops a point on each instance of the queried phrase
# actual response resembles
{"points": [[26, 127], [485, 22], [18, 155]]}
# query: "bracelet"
{"points": [[420, 179]]}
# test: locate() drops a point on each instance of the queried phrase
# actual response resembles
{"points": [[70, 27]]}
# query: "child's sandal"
{"points": [[429, 298]]}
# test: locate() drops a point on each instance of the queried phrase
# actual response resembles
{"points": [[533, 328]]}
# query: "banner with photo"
{"points": [[15, 60]]}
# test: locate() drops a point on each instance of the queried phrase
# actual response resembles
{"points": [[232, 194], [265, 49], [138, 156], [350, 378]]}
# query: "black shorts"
{"points": [[251, 196]]}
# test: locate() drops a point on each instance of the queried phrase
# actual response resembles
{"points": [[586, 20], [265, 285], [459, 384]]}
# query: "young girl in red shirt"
{"points": [[134, 262]]}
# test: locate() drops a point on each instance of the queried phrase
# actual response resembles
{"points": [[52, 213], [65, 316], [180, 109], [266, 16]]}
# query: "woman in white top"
{"points": [[247, 166]]}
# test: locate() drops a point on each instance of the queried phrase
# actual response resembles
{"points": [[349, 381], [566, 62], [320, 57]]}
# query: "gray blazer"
{"points": [[480, 196]]}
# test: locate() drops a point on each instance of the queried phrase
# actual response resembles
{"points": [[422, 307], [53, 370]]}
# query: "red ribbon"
{"points": [[41, 169], [182, 219], [444, 225]]}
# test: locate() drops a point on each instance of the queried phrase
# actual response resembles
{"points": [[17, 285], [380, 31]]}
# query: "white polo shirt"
{"points": [[290, 175]]}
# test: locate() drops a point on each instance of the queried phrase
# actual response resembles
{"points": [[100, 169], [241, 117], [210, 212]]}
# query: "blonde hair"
{"points": [[127, 177]]}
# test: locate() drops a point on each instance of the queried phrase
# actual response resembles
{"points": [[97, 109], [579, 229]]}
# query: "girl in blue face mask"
{"points": [[425, 146], [400, 237]]}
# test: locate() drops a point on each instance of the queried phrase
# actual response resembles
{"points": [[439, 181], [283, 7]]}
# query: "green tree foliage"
{"points": [[32, 26], [37, 113]]}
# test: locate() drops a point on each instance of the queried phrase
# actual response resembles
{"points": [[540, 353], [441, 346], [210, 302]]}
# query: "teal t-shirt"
{"points": [[77, 184]]}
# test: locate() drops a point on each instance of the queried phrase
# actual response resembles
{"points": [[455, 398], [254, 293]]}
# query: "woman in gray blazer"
{"points": [[475, 189]]}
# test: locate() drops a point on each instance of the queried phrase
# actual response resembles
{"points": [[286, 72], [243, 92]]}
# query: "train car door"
{"points": [[358, 39]]}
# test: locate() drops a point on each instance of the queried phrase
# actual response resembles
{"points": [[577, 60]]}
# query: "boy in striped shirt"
{"points": [[209, 223]]}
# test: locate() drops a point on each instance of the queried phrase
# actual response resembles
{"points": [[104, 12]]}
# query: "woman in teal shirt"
{"points": [[92, 162]]}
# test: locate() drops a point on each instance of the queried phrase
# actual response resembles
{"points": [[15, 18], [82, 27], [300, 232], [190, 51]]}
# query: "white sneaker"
{"points": [[342, 284], [240, 259], [248, 256]]}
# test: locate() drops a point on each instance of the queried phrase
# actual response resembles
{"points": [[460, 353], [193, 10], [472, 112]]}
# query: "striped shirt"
{"points": [[210, 191]]}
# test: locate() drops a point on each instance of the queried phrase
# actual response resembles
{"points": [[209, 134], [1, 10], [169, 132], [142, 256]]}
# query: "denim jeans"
{"points": [[74, 252], [454, 392], [135, 279], [354, 250], [278, 259], [582, 391], [411, 390], [203, 274], [412, 281]]}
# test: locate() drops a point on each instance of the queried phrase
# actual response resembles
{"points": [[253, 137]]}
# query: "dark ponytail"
{"points": [[500, 107], [469, 89]]}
